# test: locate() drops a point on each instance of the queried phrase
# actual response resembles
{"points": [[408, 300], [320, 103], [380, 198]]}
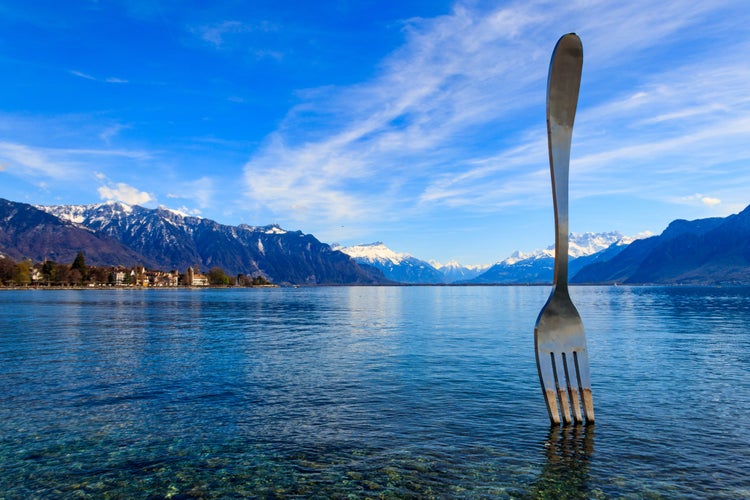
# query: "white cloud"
{"points": [[707, 200], [125, 193], [698, 198]]}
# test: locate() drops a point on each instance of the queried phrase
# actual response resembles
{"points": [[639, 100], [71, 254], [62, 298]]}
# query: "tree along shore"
{"points": [[49, 274]]}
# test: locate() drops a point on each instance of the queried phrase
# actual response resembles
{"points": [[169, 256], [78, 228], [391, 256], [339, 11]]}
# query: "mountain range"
{"points": [[711, 251], [532, 268], [114, 233], [704, 251], [404, 268], [537, 267]]}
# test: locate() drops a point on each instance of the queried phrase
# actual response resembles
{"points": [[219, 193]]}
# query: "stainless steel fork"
{"points": [[559, 338]]}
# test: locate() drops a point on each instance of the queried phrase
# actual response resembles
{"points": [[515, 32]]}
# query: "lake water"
{"points": [[384, 392]]}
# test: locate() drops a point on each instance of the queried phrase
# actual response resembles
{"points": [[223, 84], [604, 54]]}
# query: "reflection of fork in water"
{"points": [[570, 442], [566, 471]]}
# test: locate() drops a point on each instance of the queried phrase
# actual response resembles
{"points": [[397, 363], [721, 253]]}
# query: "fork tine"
{"points": [[573, 383], [581, 359], [562, 390], [547, 376]]}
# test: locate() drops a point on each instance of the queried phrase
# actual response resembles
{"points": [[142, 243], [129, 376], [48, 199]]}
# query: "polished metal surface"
{"points": [[559, 337]]}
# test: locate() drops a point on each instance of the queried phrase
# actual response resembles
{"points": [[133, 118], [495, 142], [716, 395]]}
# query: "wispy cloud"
{"points": [[233, 34], [402, 127], [57, 163], [110, 132], [679, 129], [199, 192], [86, 76], [80, 74], [215, 33], [455, 117], [24, 160]]}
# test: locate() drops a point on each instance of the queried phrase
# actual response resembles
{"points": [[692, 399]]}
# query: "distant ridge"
{"points": [[537, 267], [398, 267], [455, 272], [404, 268], [704, 251]]}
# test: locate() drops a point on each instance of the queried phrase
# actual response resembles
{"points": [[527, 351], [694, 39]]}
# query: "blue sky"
{"points": [[417, 123]]}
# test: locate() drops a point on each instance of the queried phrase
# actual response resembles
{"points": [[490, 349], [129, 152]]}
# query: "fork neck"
{"points": [[560, 139], [561, 254]]}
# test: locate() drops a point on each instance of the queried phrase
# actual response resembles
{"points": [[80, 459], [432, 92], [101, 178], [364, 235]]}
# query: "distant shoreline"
{"points": [[394, 285], [106, 287]]}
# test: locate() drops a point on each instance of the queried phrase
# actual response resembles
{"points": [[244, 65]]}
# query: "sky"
{"points": [[417, 123]]}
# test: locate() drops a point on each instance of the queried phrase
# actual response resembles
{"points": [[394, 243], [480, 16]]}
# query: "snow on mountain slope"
{"points": [[374, 253], [590, 243], [78, 214], [537, 266], [454, 264], [400, 267], [520, 266], [455, 271], [405, 268], [579, 245]]}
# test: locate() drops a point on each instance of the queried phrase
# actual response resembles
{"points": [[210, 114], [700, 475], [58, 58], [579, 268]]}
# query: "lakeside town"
{"points": [[77, 274]]}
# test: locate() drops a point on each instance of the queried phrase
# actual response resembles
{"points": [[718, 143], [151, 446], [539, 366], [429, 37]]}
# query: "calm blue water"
{"points": [[395, 392]]}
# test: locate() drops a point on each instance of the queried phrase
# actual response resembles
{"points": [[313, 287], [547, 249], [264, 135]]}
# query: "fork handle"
{"points": [[562, 99]]}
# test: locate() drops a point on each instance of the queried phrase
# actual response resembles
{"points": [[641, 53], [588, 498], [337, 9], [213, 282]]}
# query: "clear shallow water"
{"points": [[367, 392]]}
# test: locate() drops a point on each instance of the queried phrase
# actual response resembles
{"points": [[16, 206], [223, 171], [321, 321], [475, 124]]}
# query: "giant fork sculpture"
{"points": [[559, 338]]}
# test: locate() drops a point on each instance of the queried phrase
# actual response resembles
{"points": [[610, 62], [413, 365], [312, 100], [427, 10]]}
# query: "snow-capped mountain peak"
{"points": [[78, 214], [400, 267], [274, 229], [590, 243], [374, 252], [518, 256], [453, 265], [579, 245]]}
